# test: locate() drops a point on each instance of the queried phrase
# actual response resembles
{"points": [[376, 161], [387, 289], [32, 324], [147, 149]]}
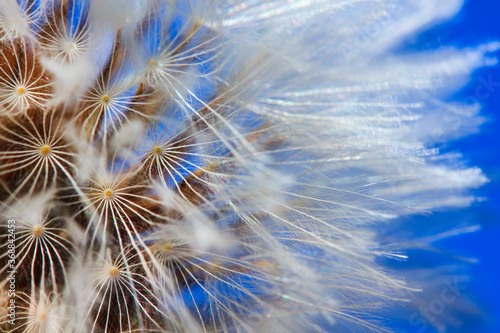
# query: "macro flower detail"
{"points": [[207, 166]]}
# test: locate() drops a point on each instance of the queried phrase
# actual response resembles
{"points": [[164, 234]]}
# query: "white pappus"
{"points": [[219, 166]]}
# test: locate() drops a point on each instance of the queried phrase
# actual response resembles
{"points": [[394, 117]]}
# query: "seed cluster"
{"points": [[134, 243], [215, 166]]}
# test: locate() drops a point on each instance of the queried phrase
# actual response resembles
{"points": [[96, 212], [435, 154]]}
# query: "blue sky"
{"points": [[477, 23]]}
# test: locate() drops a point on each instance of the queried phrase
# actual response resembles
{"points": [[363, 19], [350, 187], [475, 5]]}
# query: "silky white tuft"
{"points": [[221, 166]]}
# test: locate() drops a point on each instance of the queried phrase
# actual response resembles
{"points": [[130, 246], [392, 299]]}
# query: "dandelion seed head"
{"points": [[21, 90], [209, 170], [13, 22], [105, 99], [45, 150], [108, 193], [155, 66], [157, 150], [113, 272], [168, 250], [69, 47], [41, 313], [38, 231]]}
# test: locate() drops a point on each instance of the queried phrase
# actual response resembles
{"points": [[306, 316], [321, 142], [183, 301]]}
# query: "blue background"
{"points": [[477, 23]]}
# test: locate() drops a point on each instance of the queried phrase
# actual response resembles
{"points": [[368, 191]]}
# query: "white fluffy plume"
{"points": [[219, 166]]}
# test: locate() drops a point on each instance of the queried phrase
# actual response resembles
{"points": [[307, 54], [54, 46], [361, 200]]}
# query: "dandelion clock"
{"points": [[227, 166]]}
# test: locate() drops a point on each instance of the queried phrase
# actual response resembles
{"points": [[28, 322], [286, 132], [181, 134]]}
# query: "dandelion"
{"points": [[207, 166]]}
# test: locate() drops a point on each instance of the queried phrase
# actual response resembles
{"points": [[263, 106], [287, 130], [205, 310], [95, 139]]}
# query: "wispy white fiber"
{"points": [[224, 166]]}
